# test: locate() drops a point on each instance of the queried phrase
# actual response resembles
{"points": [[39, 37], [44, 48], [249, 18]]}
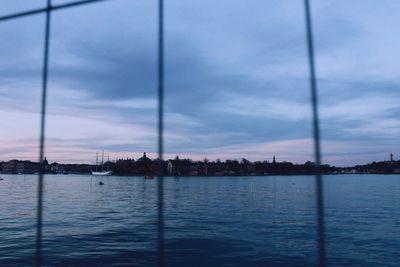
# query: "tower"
{"points": [[273, 159], [391, 157]]}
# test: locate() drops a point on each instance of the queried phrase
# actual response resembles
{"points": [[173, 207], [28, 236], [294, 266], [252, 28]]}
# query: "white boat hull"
{"points": [[106, 173]]}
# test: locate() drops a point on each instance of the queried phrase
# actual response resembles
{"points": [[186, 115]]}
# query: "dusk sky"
{"points": [[236, 80]]}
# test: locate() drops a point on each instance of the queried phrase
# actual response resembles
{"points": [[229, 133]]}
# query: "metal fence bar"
{"points": [[316, 134], [160, 182], [39, 219], [46, 9]]}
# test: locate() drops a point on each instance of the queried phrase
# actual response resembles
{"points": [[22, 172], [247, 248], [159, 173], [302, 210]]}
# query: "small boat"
{"points": [[148, 177], [101, 183], [1, 179]]}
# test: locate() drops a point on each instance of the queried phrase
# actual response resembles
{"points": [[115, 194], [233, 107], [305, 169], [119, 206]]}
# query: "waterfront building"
{"points": [[46, 165], [56, 168], [27, 167], [144, 164], [170, 167], [10, 166]]}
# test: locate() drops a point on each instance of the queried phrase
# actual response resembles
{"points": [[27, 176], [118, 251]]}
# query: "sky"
{"points": [[236, 80]]}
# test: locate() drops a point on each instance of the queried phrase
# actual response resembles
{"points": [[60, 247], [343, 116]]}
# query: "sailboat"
{"points": [[102, 172]]}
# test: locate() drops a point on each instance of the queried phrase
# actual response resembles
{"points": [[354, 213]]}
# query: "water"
{"points": [[210, 221]]}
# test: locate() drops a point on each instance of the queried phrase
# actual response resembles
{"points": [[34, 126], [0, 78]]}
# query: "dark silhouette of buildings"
{"points": [[24, 167], [187, 167]]}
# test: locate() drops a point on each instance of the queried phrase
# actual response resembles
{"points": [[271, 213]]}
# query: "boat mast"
{"points": [[97, 160], [108, 162], [102, 160]]}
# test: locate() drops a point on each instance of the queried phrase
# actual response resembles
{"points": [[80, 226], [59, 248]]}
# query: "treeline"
{"points": [[382, 167]]}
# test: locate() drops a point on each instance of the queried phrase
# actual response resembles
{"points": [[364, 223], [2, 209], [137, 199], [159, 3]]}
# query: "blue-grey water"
{"points": [[209, 221]]}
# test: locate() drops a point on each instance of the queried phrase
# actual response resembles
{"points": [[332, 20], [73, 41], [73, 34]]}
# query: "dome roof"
{"points": [[144, 158]]}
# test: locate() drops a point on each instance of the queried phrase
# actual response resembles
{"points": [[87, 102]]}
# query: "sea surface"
{"points": [[209, 221]]}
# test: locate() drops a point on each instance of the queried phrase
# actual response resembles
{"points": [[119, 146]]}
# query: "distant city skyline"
{"points": [[236, 81], [154, 156]]}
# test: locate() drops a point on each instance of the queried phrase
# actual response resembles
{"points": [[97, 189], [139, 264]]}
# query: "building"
{"points": [[144, 164], [10, 166], [170, 167], [27, 167], [21, 167], [56, 168]]}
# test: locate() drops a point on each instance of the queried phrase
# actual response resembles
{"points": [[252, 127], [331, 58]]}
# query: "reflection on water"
{"points": [[210, 221]]}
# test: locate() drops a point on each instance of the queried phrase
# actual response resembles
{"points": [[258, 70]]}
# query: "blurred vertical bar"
{"points": [[316, 133], [160, 182], [42, 138]]}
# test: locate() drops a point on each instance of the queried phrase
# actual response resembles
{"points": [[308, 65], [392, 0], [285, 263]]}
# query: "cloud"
{"points": [[273, 108], [236, 79]]}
